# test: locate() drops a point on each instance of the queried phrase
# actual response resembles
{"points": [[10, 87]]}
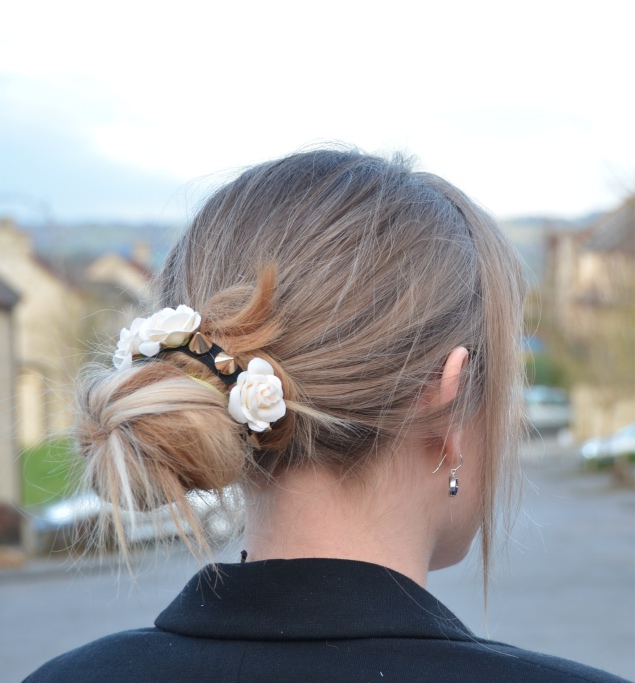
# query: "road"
{"points": [[565, 584]]}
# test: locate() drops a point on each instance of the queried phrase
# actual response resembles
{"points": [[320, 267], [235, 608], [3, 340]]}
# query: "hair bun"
{"points": [[151, 434]]}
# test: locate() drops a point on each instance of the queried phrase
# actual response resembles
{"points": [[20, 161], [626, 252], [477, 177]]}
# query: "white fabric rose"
{"points": [[257, 397], [168, 328], [128, 345]]}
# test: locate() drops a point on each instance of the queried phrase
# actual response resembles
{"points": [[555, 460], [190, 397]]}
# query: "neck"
{"points": [[311, 513]]}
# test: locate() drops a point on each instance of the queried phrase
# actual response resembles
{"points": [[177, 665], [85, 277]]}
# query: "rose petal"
{"points": [[122, 362], [176, 338], [194, 322], [258, 426], [250, 394], [137, 323], [274, 412], [249, 416], [259, 366], [275, 381], [182, 308], [152, 334], [177, 321], [149, 348], [234, 406], [157, 319]]}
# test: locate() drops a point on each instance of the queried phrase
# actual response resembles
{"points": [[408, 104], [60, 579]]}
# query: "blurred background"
{"points": [[117, 120]]}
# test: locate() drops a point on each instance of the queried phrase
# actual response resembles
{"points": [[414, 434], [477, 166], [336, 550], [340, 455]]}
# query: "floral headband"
{"points": [[256, 397]]}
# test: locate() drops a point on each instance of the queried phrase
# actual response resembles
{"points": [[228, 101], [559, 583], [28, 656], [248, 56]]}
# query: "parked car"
{"points": [[548, 408], [71, 521], [607, 449]]}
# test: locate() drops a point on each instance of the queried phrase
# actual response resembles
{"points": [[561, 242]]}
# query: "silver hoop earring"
{"points": [[454, 482]]}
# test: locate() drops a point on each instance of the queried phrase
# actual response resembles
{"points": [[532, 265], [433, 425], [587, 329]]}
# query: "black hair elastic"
{"points": [[212, 356]]}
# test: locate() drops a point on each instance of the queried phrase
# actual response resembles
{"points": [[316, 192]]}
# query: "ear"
{"points": [[442, 442], [447, 391], [451, 375]]}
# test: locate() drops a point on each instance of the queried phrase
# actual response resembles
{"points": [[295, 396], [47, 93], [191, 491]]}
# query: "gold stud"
{"points": [[225, 364], [199, 344]]}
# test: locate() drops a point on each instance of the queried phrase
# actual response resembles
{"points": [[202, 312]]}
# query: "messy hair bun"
{"points": [[149, 435], [153, 422]]}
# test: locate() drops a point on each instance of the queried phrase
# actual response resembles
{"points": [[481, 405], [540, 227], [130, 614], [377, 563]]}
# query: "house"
{"points": [[116, 289], [62, 317], [589, 318], [129, 275], [9, 474], [48, 346]]}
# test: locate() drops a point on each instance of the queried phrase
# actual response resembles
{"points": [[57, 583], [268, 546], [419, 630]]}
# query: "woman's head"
{"points": [[355, 277]]}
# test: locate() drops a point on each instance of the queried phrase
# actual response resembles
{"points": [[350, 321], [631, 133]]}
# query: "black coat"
{"points": [[312, 620]]}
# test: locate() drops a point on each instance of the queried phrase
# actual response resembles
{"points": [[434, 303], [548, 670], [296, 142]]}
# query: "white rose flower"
{"points": [[128, 345], [169, 328], [257, 397]]}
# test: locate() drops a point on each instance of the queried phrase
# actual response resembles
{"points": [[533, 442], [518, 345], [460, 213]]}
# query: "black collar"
{"points": [[308, 599]]}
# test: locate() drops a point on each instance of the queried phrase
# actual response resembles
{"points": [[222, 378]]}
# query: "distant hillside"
{"points": [[85, 241]]}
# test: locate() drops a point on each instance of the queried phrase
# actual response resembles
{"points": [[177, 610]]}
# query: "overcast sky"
{"points": [[129, 109]]}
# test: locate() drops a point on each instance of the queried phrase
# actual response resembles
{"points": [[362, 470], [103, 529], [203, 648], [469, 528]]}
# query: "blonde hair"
{"points": [[355, 277]]}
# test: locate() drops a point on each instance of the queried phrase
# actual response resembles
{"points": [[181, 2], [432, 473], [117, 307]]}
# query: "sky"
{"points": [[134, 110]]}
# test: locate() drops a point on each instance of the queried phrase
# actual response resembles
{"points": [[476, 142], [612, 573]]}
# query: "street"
{"points": [[564, 585]]}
